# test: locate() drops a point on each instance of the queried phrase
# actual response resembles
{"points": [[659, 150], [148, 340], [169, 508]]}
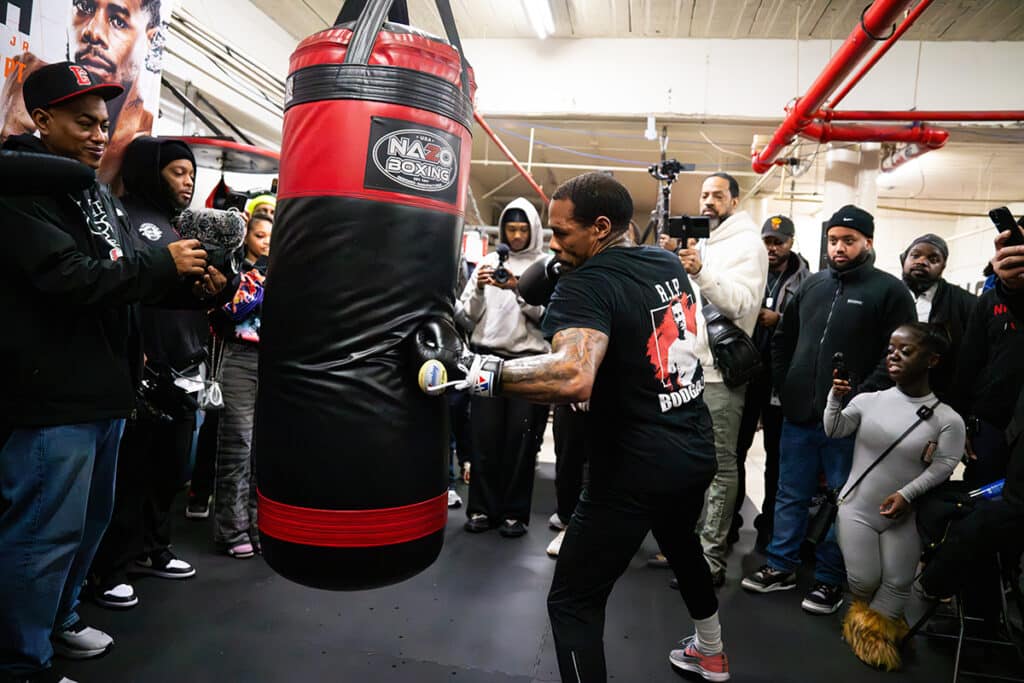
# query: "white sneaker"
{"points": [[556, 544], [81, 642], [555, 522], [454, 499]]}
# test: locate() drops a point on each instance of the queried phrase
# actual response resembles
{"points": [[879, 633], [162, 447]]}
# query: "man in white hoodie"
{"points": [[506, 432], [729, 270]]}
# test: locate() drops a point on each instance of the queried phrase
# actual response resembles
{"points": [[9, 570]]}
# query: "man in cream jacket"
{"points": [[729, 270]]}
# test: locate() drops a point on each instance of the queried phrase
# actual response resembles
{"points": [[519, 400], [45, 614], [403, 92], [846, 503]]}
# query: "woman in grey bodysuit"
{"points": [[875, 525]]}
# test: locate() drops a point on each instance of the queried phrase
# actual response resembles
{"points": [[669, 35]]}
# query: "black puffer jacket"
{"points": [[70, 351], [852, 311]]}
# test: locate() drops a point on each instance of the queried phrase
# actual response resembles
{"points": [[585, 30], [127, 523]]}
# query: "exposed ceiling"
{"points": [[975, 20], [978, 166]]}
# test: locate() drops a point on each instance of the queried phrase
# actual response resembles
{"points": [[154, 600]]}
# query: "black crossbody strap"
{"points": [[923, 413]]}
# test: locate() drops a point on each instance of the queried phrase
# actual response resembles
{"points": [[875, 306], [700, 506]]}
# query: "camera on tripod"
{"points": [[668, 169], [689, 227]]}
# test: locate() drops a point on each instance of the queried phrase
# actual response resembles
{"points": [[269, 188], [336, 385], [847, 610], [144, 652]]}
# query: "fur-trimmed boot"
{"points": [[874, 638]]}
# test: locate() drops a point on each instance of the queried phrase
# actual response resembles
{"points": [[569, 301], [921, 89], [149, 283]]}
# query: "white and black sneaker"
{"points": [[121, 596], [555, 522], [81, 642], [454, 499], [823, 599], [768, 579], [163, 564]]}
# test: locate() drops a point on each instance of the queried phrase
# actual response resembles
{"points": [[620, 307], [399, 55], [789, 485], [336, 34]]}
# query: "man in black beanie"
{"points": [[153, 459], [851, 308], [937, 301]]}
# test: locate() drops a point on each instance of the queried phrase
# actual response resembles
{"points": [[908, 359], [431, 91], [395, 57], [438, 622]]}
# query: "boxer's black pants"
{"points": [[606, 530]]}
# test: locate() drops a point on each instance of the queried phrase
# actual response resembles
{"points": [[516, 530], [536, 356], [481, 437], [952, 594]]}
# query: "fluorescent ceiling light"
{"points": [[539, 14]]}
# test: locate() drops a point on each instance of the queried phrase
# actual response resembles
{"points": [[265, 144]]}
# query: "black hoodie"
{"points": [[853, 311], [70, 351], [174, 339]]}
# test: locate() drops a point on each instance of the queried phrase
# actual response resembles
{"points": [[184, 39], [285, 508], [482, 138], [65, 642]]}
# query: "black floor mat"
{"points": [[478, 614]]}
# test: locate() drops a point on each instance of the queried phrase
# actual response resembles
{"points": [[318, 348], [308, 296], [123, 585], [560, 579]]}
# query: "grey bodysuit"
{"points": [[881, 554]]}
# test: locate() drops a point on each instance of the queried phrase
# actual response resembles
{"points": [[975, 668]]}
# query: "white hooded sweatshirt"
{"points": [[500, 321], [732, 277]]}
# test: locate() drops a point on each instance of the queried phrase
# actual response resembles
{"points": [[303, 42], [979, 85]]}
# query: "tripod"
{"points": [[665, 172]]}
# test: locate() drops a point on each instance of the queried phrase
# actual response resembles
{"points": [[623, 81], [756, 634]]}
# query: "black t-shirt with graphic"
{"points": [[648, 427]]}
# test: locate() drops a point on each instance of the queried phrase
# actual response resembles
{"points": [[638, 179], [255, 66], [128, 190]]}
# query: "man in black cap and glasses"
{"points": [[69, 362], [786, 272], [937, 301]]}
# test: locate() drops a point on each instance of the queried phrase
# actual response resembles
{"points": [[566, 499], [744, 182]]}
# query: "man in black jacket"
{"points": [[153, 459], [786, 272], [851, 308], [69, 361], [937, 301], [989, 374], [966, 551]]}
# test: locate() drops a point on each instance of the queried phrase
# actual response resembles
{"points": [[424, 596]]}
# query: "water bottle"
{"points": [[991, 491]]}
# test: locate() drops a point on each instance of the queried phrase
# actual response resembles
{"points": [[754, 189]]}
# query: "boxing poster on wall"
{"points": [[117, 41]]}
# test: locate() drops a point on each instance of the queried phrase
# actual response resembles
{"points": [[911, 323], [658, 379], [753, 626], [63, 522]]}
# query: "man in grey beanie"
{"points": [[937, 301]]}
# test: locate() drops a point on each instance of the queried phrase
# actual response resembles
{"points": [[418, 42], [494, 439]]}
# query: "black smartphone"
{"points": [[1003, 219], [839, 366]]}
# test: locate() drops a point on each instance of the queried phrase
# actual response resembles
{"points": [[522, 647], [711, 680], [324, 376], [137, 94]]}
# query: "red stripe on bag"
{"points": [[351, 528]]}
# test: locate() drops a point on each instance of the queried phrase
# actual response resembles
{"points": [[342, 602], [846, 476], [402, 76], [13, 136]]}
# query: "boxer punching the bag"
{"points": [[350, 456]]}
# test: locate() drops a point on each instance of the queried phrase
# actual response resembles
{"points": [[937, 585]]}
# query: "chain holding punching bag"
{"points": [[350, 456]]}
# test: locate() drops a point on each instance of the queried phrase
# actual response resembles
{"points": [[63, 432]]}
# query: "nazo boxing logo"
{"points": [[417, 159]]}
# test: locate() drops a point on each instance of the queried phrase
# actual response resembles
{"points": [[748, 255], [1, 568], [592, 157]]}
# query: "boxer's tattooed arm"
{"points": [[562, 376]]}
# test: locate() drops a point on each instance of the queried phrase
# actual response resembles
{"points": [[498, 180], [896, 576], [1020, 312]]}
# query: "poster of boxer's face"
{"points": [[117, 41]]}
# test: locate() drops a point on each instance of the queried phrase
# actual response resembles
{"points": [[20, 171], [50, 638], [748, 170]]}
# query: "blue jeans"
{"points": [[56, 496], [805, 451]]}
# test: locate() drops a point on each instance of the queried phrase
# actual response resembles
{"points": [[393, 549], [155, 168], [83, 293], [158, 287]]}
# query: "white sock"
{"points": [[708, 635]]}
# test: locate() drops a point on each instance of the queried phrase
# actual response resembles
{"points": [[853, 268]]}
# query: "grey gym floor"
{"points": [[478, 614]]}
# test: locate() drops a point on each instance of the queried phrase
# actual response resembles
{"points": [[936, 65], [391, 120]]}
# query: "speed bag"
{"points": [[350, 456]]}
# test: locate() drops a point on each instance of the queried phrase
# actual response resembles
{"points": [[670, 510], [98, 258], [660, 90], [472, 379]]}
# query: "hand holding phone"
{"points": [[1004, 221]]}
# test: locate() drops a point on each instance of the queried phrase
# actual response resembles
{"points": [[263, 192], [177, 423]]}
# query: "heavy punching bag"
{"points": [[351, 457]]}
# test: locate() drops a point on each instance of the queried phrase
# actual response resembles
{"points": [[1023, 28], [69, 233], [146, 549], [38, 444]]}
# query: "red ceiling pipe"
{"points": [[827, 115], [876, 19], [880, 52], [933, 138], [511, 157]]}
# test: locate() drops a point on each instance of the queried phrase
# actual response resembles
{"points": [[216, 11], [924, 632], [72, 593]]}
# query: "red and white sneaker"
{"points": [[689, 658]]}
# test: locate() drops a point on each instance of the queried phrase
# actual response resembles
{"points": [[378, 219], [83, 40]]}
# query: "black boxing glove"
{"points": [[445, 362], [538, 281]]}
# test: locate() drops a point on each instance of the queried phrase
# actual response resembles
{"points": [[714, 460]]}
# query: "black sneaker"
{"points": [[768, 579], [512, 528], [476, 523], [163, 564], [198, 507], [823, 599]]}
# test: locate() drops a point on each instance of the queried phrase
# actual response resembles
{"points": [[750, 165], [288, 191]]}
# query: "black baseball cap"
{"points": [[853, 217], [778, 226], [63, 81]]}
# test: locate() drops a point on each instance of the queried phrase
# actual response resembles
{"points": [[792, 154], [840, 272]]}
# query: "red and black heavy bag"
{"points": [[350, 456]]}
